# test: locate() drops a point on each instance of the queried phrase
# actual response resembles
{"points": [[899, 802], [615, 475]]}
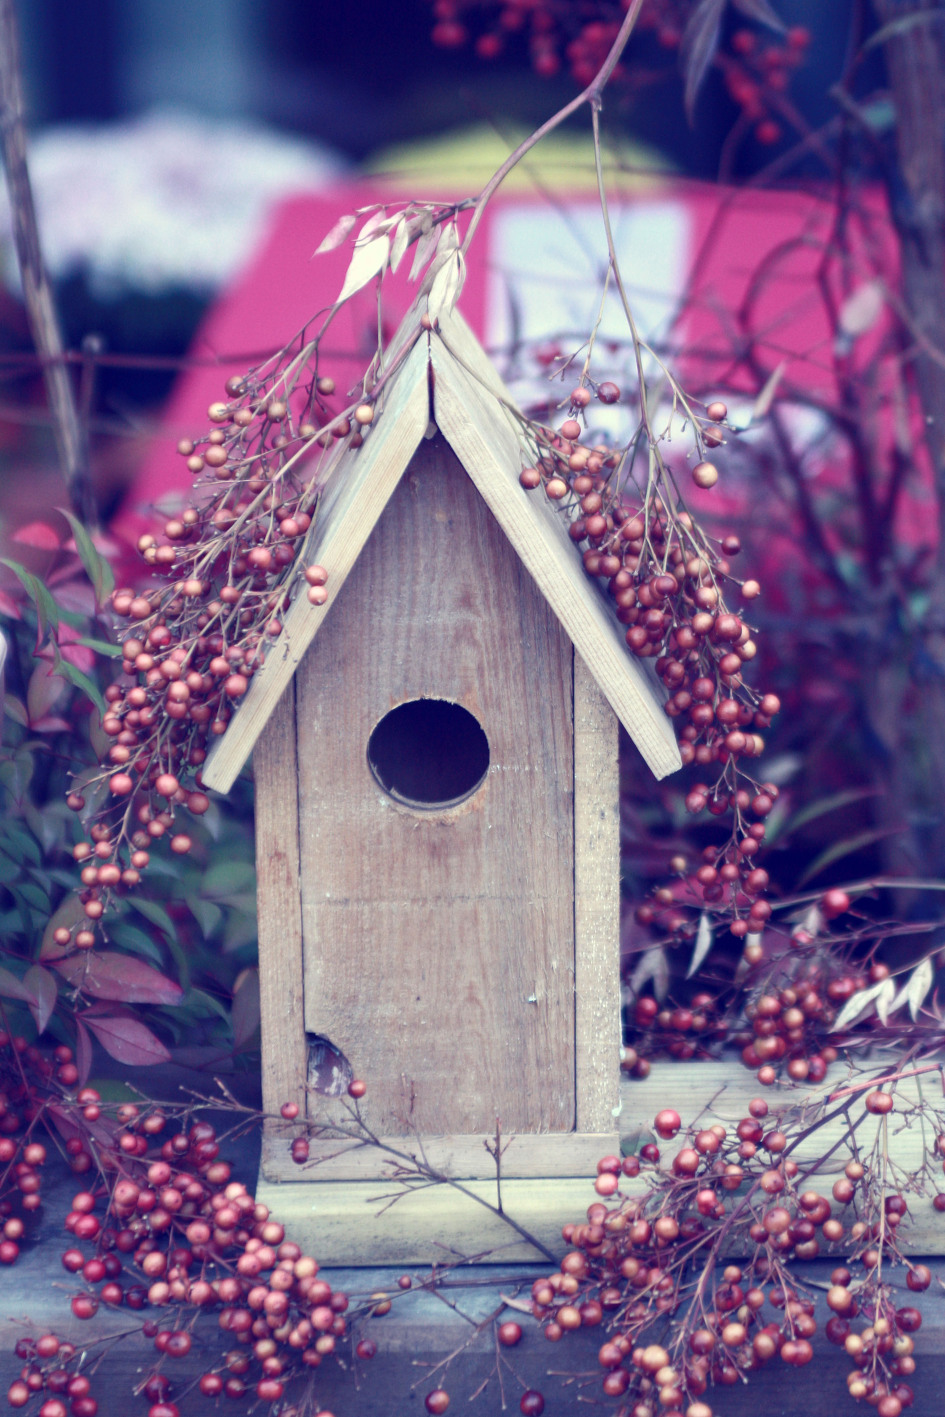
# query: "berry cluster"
{"points": [[27, 1079], [643, 1266], [667, 582], [193, 645], [756, 73], [782, 1018], [557, 34], [579, 38], [171, 1233]]}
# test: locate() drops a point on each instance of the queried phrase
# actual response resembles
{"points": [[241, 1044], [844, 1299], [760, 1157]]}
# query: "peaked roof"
{"points": [[474, 412]]}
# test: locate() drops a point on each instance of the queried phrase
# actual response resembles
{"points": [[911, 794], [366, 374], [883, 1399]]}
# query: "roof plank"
{"points": [[483, 433], [474, 411], [361, 485]]}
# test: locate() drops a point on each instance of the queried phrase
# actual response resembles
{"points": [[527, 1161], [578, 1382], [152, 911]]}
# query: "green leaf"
{"points": [[15, 709], [207, 915], [839, 849], [823, 805], [180, 958], [9, 870], [100, 646], [156, 914], [81, 681], [47, 612], [226, 878], [34, 895], [19, 843], [97, 568], [123, 933]]}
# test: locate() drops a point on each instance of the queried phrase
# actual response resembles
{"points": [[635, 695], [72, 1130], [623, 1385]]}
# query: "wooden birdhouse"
{"points": [[437, 828]]}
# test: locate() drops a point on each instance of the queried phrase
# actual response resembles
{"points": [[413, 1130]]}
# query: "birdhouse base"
{"points": [[366, 1222], [376, 1222]]}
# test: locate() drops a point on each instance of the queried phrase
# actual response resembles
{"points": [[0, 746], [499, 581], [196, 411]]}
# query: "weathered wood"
{"points": [[596, 906], [718, 1090], [346, 1222], [549, 1154], [282, 1026], [359, 489], [484, 435], [439, 945]]}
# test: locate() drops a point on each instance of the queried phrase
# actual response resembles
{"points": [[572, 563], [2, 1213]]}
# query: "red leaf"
{"points": [[9, 607], [83, 1052], [43, 691], [106, 975], [49, 723], [38, 534], [128, 1040], [102, 1131], [43, 994], [13, 988]]}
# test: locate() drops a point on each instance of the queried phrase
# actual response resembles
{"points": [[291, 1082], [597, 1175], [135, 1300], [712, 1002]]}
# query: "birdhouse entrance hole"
{"points": [[429, 753]]}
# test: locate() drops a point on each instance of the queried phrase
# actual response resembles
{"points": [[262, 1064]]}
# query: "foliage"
{"points": [[175, 953]]}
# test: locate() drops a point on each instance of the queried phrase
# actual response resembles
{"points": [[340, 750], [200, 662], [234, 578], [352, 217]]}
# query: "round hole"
{"points": [[428, 753]]}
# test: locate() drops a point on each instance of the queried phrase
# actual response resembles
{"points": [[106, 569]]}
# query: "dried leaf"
{"points": [[762, 405], [106, 975], [399, 243], [408, 229], [919, 985], [703, 944], [761, 11], [884, 1000], [862, 308], [447, 286], [857, 1004], [426, 250], [699, 42], [902, 24], [367, 262], [653, 966], [128, 1040], [338, 234], [42, 994]]}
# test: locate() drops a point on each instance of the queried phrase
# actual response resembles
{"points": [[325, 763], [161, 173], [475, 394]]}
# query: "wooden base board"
{"points": [[353, 1222], [345, 1222], [550, 1154]]}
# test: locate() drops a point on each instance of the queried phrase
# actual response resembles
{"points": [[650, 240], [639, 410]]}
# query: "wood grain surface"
{"points": [[439, 949]]}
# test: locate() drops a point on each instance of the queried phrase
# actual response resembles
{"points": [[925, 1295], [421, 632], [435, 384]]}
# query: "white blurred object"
{"points": [[168, 199]]}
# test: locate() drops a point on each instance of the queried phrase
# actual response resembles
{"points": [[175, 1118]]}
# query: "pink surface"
{"points": [[753, 274]]}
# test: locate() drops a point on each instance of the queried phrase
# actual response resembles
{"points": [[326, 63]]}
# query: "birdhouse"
{"points": [[437, 830]]}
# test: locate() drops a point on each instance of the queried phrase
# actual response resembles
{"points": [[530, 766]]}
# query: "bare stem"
{"points": [[37, 293], [589, 95]]}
